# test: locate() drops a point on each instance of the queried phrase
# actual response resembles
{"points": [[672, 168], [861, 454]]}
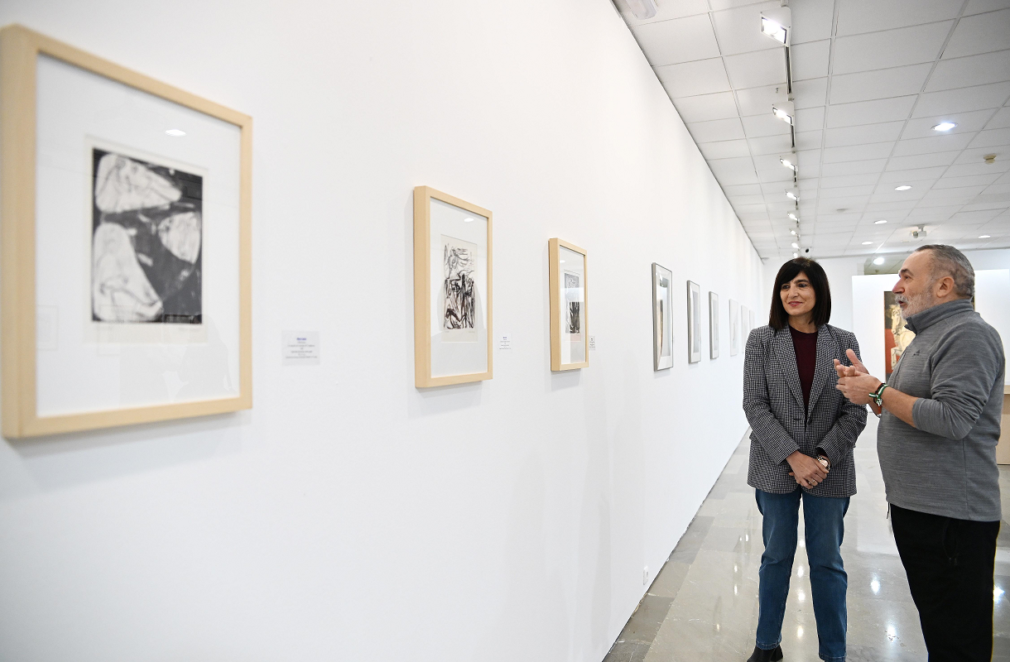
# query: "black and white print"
{"points": [[573, 304], [146, 238], [459, 261]]}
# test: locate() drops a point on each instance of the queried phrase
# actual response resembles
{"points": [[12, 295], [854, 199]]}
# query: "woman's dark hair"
{"points": [[778, 318]]}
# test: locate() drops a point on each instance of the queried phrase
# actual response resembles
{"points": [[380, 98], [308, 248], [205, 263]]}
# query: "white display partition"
{"points": [[84, 365], [992, 302]]}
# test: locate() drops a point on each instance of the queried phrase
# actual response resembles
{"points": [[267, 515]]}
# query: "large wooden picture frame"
{"points": [[453, 318], [32, 67], [569, 301]]}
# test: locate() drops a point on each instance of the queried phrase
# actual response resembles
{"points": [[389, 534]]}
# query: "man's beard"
{"points": [[915, 304]]}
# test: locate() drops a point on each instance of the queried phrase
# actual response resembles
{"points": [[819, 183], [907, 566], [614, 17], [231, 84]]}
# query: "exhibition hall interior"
{"points": [[417, 330]]}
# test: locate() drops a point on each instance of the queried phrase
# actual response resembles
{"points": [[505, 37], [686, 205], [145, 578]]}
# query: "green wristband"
{"points": [[878, 395]]}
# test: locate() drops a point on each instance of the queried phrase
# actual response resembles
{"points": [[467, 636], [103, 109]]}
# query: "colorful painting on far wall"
{"points": [[897, 337]]}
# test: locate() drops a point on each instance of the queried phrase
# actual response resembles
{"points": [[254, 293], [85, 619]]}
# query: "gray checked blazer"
{"points": [[773, 402]]}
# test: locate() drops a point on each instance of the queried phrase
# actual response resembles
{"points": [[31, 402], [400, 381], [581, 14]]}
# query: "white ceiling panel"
{"points": [[1000, 120], [977, 168], [705, 107], [892, 48], [693, 78], [758, 126], [858, 16], [759, 100], [665, 11], [810, 60], [980, 34], [810, 93], [977, 155], [706, 132], [810, 117], [724, 150], [991, 138], [812, 22], [967, 123], [746, 189], [859, 135], [853, 168], [870, 112], [921, 160], [849, 180], [808, 139], [676, 41], [734, 171], [858, 152], [936, 143], [756, 69], [916, 176], [881, 84], [777, 145], [962, 100], [970, 71], [739, 29]]}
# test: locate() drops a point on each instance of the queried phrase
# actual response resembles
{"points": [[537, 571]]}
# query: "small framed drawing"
{"points": [[452, 290], [693, 322], [734, 328], [662, 318], [569, 302], [713, 325], [126, 256]]}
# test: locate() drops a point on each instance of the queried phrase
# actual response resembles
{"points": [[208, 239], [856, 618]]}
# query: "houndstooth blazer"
{"points": [[773, 402]]}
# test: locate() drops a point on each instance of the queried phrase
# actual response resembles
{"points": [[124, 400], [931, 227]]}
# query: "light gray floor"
{"points": [[703, 604]]}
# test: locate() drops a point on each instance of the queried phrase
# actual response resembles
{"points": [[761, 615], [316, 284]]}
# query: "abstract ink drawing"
{"points": [[573, 322], [146, 259], [459, 262]]}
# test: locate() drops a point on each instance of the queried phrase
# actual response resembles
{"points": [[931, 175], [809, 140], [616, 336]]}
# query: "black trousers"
{"points": [[949, 563]]}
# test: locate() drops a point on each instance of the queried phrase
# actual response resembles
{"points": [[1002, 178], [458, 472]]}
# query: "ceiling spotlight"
{"points": [[176, 133], [776, 23], [903, 187], [784, 111], [984, 236], [792, 232], [792, 195], [642, 9], [944, 126], [795, 255], [789, 164], [867, 243], [881, 222], [792, 216], [878, 261], [795, 245]]}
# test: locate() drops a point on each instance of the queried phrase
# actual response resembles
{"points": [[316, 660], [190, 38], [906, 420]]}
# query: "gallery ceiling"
{"points": [[870, 80]]}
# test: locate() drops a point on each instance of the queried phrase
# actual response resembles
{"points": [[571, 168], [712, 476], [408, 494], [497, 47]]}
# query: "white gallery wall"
{"points": [[349, 515]]}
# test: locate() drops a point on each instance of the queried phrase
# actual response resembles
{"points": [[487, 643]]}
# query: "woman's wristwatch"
{"points": [[878, 395]]}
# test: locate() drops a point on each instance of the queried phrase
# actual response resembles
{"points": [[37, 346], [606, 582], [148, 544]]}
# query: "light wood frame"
{"points": [[554, 258], [19, 52], [660, 362], [422, 290], [714, 337], [693, 322]]}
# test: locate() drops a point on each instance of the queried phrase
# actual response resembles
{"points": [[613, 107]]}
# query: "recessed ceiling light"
{"points": [[867, 243], [792, 216], [177, 133], [944, 126], [879, 261], [903, 187], [984, 236], [881, 222]]}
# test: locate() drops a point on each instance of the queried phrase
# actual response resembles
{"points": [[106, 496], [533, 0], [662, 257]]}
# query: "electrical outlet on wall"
{"points": [[645, 576]]}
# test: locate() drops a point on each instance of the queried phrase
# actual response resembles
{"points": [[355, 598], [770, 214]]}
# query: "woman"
{"points": [[803, 432]]}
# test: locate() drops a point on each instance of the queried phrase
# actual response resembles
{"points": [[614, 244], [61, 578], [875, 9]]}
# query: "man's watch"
{"points": [[878, 395], [825, 462]]}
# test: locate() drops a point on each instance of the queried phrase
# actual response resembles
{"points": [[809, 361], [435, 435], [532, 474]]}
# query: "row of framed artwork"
{"points": [[453, 294]]}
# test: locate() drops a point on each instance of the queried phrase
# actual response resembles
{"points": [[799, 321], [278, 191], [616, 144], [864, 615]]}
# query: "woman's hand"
{"points": [[807, 471]]}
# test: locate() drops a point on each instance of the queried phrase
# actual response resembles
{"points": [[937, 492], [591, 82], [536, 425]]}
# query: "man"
{"points": [[939, 425]]}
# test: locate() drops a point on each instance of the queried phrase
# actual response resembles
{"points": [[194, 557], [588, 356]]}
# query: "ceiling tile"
{"points": [[781, 144], [810, 118], [724, 150], [739, 30], [758, 126], [745, 189], [810, 60], [882, 84], [967, 123], [979, 6], [734, 171], [980, 34], [858, 152], [991, 138], [870, 112], [965, 99], [852, 168], [1001, 119], [891, 48], [921, 160], [970, 71], [973, 180], [812, 21], [849, 180], [858, 135], [676, 41], [808, 139], [858, 16], [693, 78], [703, 107], [810, 93], [925, 176], [706, 132], [977, 168], [757, 69], [937, 143], [759, 100], [666, 11]]}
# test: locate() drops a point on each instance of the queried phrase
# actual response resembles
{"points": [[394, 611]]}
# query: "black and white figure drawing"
{"points": [[573, 305], [713, 325], [693, 322], [459, 308], [662, 318], [146, 257]]}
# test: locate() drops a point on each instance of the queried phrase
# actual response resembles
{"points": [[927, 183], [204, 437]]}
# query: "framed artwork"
{"points": [[662, 318], [452, 290], [897, 336], [734, 328], [713, 325], [569, 302], [744, 325], [126, 260], [693, 322]]}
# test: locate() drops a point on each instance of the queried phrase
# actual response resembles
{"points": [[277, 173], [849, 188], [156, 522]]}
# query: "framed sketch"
{"points": [[713, 325], [569, 301], [126, 256], [734, 328], [693, 322], [452, 290], [662, 318]]}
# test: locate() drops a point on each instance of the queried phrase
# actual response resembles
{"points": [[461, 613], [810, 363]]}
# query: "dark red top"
{"points": [[805, 345]]}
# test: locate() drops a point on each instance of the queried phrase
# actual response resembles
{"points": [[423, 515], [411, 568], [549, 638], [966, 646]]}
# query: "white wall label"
{"points": [[505, 341], [301, 348], [592, 343]]}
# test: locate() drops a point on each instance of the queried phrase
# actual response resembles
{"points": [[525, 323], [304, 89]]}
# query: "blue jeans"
{"points": [[822, 517]]}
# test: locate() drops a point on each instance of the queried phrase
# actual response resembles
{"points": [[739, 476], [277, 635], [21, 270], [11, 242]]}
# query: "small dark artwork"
{"points": [[459, 262], [574, 306], [146, 258]]}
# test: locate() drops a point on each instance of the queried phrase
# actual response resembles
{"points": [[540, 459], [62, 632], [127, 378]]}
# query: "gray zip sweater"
{"points": [[946, 464]]}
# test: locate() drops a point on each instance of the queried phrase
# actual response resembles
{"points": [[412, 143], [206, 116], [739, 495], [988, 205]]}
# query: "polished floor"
{"points": [[703, 603]]}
